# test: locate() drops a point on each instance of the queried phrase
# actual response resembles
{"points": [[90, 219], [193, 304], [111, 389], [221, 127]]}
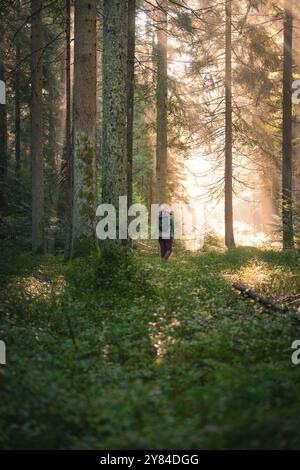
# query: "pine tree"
{"points": [[115, 49], [130, 93], [161, 106], [69, 153], [287, 154], [18, 97], [229, 237], [3, 125], [37, 165], [84, 123]]}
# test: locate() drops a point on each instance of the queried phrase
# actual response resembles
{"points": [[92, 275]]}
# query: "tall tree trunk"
{"points": [[17, 99], [84, 123], [37, 127], [150, 119], [52, 168], [3, 120], [69, 154], [55, 113], [130, 94], [17, 114], [229, 236], [296, 116], [161, 106], [115, 44], [3, 145], [3, 130], [58, 137], [287, 155]]}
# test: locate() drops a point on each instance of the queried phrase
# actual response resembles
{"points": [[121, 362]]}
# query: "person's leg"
{"points": [[165, 249], [162, 248], [171, 245], [168, 248]]}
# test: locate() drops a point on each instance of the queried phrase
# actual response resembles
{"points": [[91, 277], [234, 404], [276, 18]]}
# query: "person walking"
{"points": [[166, 232]]}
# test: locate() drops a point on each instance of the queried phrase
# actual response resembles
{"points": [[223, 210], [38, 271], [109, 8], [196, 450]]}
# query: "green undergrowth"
{"points": [[123, 351]]}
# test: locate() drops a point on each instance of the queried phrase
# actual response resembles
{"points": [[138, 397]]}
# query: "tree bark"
{"points": [[56, 126], [3, 122], [161, 106], [130, 94], [37, 166], [296, 115], [3, 130], [287, 154], [84, 124], [17, 100], [229, 235], [69, 154], [296, 120], [3, 146], [115, 44]]}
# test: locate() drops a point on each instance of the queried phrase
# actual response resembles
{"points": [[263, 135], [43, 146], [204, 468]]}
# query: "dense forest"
{"points": [[135, 104]]}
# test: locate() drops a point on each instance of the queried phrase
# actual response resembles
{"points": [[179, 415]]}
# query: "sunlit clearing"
{"points": [[252, 207], [270, 280], [203, 167]]}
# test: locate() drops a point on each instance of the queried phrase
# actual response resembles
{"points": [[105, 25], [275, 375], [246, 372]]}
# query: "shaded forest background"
{"points": [[116, 98]]}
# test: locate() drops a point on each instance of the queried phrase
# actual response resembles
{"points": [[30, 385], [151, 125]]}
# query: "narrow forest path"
{"points": [[141, 354]]}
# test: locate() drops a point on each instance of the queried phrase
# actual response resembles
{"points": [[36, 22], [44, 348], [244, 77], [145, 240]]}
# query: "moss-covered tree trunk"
{"points": [[69, 152], [296, 116], [3, 129], [114, 175], [37, 165], [161, 106], [55, 147], [229, 236], [130, 93], [84, 126], [17, 84], [151, 116], [3, 149], [3, 125], [3, 110], [287, 154]]}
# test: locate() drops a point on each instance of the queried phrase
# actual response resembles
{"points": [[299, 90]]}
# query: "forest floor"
{"points": [[135, 354]]}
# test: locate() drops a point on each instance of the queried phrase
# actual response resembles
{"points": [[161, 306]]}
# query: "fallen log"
{"points": [[257, 297], [290, 299]]}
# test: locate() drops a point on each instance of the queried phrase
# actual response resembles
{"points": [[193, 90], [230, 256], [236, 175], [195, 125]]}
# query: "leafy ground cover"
{"points": [[127, 352]]}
